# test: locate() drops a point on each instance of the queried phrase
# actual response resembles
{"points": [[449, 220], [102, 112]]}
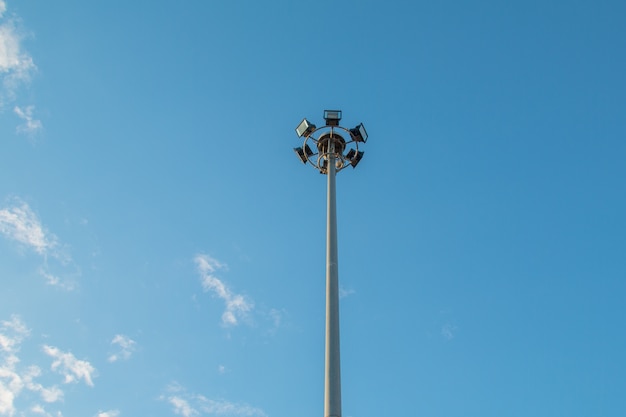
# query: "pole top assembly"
{"points": [[328, 141]]}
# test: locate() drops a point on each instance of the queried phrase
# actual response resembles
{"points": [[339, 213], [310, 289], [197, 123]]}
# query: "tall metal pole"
{"points": [[333, 154], [332, 385]]}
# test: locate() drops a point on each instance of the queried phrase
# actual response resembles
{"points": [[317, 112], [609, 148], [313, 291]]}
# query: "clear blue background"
{"points": [[481, 239]]}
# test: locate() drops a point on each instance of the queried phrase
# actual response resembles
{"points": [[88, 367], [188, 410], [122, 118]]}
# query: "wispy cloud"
{"points": [[17, 330], [237, 305], [72, 369], [19, 223], [31, 125], [127, 348], [189, 404], [48, 394], [181, 406], [110, 413], [16, 65], [274, 319], [346, 292], [448, 331], [13, 379], [223, 407], [38, 409], [276, 316]]}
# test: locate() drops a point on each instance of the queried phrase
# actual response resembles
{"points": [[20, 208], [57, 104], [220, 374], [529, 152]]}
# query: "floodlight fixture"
{"points": [[351, 154], [301, 154], [332, 117], [355, 161], [359, 133], [304, 153], [305, 128]]}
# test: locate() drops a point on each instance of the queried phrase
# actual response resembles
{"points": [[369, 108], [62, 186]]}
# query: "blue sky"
{"points": [[162, 248]]}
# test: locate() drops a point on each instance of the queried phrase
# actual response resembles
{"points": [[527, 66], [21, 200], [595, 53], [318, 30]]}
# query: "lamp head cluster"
{"points": [[329, 144]]}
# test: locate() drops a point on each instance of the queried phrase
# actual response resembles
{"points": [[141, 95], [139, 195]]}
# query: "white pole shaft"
{"points": [[332, 385]]}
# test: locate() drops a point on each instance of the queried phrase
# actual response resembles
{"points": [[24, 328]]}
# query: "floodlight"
{"points": [[355, 161], [301, 154], [359, 134], [305, 128], [351, 153], [332, 117]]}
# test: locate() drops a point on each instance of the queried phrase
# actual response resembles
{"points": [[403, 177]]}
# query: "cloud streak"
{"points": [[127, 348], [72, 369], [16, 70], [31, 125], [181, 406], [19, 223], [16, 65], [346, 292], [190, 404], [237, 305], [110, 413]]}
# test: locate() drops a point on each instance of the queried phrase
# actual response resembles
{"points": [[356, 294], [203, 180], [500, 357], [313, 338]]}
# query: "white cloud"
{"points": [[38, 409], [127, 347], [6, 401], [9, 47], [71, 368], [49, 395], [208, 264], [11, 384], [30, 125], [18, 222], [55, 280], [182, 407], [237, 305], [13, 380], [21, 224], [16, 65], [17, 332], [189, 405], [110, 413]]}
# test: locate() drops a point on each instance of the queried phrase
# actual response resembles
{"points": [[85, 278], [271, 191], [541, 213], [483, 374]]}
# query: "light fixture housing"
{"points": [[359, 134], [351, 154], [332, 117], [305, 128], [355, 161], [301, 154]]}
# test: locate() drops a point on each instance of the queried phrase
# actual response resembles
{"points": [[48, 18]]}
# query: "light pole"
{"points": [[333, 154]]}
